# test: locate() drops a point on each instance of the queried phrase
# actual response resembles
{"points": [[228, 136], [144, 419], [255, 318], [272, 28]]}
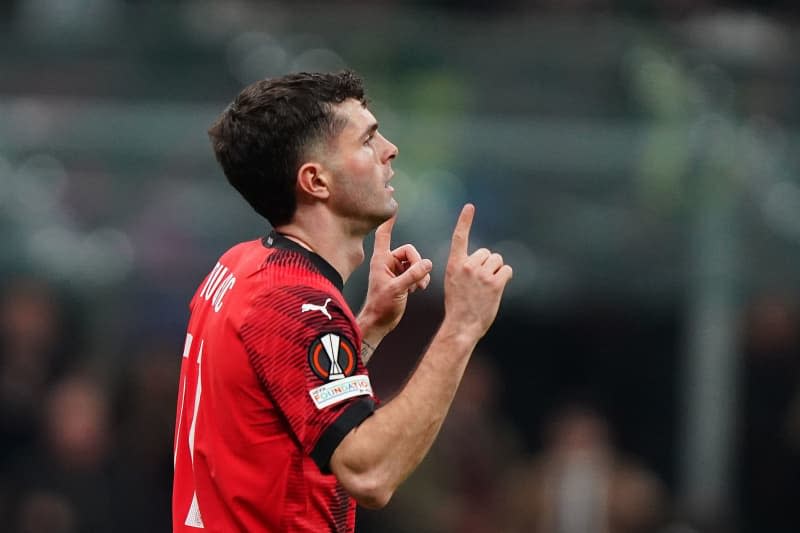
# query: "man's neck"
{"points": [[344, 251]]}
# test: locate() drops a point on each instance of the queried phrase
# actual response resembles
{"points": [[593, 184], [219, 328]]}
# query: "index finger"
{"points": [[383, 235], [460, 241]]}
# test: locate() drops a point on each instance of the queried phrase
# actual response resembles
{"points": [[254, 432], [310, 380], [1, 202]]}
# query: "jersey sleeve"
{"points": [[304, 348]]}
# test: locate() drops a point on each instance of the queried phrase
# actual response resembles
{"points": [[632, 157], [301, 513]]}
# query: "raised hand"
{"points": [[393, 274], [473, 283]]}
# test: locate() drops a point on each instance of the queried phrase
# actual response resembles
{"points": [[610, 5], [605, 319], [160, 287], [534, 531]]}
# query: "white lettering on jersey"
{"points": [[180, 420], [217, 285], [193, 518], [198, 391], [214, 278], [220, 294], [187, 345], [321, 308]]}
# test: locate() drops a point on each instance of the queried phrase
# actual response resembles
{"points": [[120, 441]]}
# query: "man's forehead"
{"points": [[357, 115]]}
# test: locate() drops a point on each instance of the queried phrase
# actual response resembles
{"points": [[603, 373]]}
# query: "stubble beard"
{"points": [[364, 210]]}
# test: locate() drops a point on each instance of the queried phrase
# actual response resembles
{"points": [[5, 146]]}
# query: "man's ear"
{"points": [[313, 180]]}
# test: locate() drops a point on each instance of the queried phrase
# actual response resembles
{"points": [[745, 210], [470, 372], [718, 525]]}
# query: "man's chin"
{"points": [[392, 209], [384, 215]]}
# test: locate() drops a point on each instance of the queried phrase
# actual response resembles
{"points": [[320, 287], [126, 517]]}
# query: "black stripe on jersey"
{"points": [[276, 240], [338, 430]]}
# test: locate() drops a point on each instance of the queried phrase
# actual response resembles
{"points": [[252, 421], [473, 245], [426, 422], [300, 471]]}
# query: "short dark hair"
{"points": [[261, 138]]}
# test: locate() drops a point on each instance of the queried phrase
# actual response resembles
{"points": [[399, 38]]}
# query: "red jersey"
{"points": [[271, 382]]}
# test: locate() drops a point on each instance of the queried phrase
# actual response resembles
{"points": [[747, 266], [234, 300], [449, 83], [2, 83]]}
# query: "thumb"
{"points": [[414, 275]]}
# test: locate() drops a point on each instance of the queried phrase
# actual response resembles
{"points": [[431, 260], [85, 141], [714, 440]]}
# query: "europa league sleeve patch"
{"points": [[332, 357]]}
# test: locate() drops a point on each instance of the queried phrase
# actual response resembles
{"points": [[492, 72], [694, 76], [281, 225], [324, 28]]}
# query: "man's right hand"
{"points": [[473, 283]]}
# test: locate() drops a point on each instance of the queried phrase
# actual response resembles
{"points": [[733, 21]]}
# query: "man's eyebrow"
{"points": [[372, 128]]}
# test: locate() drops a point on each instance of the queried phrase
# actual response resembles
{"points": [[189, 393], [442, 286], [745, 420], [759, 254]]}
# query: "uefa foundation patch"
{"points": [[341, 389]]}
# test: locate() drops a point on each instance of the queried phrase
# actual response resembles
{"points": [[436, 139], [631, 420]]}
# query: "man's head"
{"points": [[272, 127]]}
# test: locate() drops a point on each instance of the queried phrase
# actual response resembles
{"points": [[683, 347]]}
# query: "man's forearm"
{"points": [[386, 447]]}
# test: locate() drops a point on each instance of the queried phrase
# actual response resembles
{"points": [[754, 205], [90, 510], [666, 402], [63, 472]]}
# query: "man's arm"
{"points": [[393, 274], [375, 457]]}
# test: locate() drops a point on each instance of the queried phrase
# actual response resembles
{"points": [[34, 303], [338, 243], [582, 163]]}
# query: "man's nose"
{"points": [[391, 150]]}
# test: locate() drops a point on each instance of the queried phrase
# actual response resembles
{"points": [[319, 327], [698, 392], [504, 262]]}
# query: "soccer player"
{"points": [[277, 427]]}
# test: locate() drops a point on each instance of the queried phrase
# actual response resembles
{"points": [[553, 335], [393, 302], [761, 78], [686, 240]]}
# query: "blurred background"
{"points": [[637, 162]]}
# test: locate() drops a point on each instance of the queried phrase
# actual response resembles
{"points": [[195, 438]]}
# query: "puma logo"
{"points": [[321, 308]]}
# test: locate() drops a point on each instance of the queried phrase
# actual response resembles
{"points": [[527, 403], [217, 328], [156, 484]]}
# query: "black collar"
{"points": [[276, 240]]}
